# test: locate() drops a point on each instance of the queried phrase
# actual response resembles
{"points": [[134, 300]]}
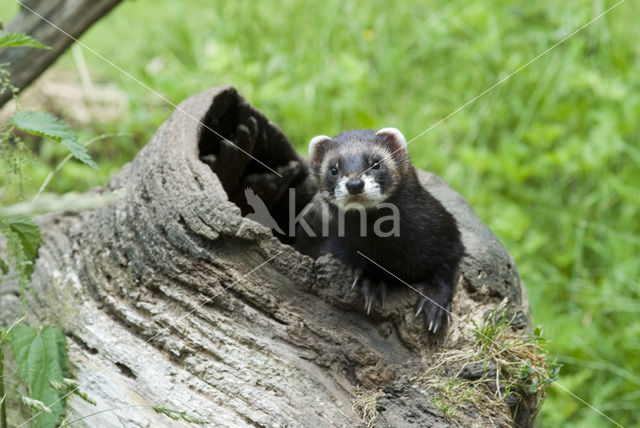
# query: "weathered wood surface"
{"points": [[169, 296], [73, 17]]}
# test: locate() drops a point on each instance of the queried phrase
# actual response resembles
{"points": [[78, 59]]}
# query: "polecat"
{"points": [[369, 178]]}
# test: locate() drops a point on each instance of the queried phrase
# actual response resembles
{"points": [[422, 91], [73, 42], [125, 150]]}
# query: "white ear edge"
{"points": [[397, 135], [315, 141]]}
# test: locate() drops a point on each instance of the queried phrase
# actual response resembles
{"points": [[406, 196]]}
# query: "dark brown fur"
{"points": [[427, 252]]}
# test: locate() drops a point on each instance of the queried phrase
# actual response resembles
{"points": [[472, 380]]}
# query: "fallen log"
{"points": [[172, 296]]}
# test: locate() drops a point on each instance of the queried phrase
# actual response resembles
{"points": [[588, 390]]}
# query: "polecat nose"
{"points": [[355, 186]]}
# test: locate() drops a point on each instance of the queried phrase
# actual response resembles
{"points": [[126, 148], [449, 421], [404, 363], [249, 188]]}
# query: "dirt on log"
{"points": [[171, 296]]}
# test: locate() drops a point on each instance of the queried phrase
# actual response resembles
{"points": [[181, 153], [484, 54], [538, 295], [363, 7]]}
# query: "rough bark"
{"points": [[171, 296], [74, 17]]}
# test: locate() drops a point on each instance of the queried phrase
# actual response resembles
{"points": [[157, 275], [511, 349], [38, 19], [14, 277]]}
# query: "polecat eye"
{"points": [[375, 165], [334, 171]]}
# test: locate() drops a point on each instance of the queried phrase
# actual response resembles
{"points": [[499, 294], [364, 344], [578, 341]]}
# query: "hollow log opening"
{"points": [[247, 151]]}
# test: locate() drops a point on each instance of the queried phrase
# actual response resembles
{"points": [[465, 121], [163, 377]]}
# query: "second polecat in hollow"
{"points": [[382, 221]]}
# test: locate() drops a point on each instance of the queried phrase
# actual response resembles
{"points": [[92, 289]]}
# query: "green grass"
{"points": [[550, 159]]}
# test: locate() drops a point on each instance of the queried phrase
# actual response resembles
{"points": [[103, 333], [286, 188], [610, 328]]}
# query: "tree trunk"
{"points": [[170, 296], [73, 17]]}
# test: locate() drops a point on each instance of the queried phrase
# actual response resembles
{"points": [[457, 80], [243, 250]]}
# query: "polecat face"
{"points": [[359, 168]]}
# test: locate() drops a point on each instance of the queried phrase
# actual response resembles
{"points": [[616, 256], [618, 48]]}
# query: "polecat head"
{"points": [[359, 167]]}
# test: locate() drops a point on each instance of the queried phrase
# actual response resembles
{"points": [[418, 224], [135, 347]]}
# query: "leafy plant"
{"points": [[22, 238], [12, 40], [46, 125], [4, 335], [41, 357]]}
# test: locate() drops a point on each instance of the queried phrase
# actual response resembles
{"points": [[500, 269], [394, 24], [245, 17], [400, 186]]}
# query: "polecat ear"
{"points": [[317, 148], [393, 140]]}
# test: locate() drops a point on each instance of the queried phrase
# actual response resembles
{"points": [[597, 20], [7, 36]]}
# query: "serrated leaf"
{"points": [[79, 152], [12, 40], [43, 125], [46, 125], [42, 357], [23, 237]]}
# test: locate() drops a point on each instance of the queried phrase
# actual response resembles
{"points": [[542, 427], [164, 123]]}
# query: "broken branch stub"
{"points": [[170, 296]]}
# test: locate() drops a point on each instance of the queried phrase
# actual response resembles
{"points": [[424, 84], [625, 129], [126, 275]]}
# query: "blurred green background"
{"points": [[550, 159]]}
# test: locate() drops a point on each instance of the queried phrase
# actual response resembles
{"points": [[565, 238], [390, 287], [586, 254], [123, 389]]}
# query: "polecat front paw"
{"points": [[370, 290], [434, 305]]}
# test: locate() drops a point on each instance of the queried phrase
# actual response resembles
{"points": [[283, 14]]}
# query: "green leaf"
{"points": [[23, 237], [19, 39], [27, 230], [42, 357], [79, 152], [43, 125], [46, 125]]}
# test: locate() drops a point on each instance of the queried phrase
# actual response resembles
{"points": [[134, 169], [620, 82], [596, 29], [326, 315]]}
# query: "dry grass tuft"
{"points": [[366, 405], [499, 368]]}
